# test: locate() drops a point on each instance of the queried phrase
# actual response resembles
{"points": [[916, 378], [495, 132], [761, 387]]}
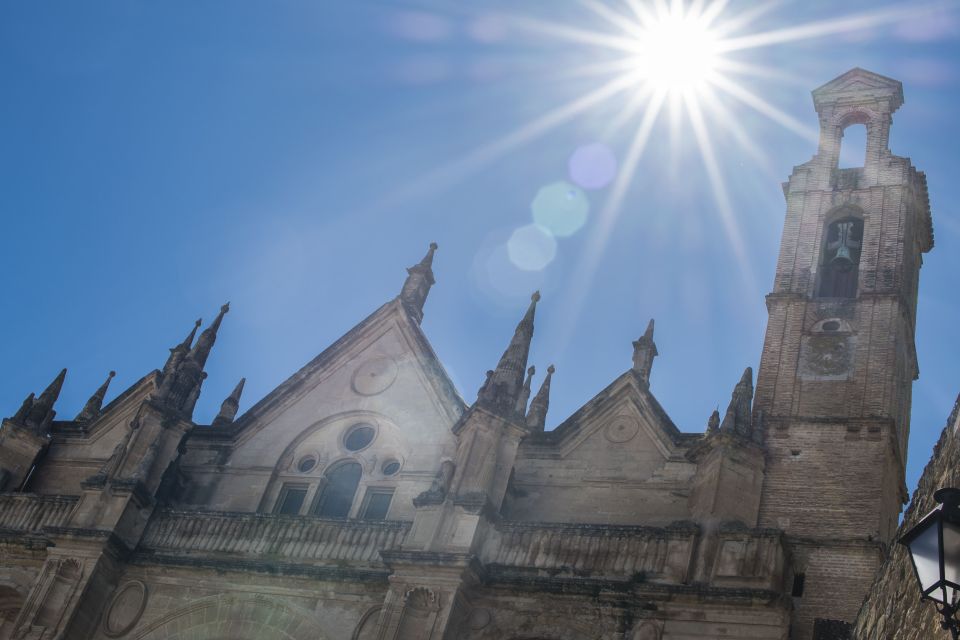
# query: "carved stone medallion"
{"points": [[622, 429], [827, 357], [479, 618], [374, 376], [125, 609]]}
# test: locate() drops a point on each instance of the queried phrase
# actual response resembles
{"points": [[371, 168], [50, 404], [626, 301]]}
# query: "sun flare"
{"points": [[676, 52]]}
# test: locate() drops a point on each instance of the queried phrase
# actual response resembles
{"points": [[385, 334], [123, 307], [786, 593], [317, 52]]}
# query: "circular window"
{"points": [[831, 325], [390, 468], [359, 437], [307, 463]]}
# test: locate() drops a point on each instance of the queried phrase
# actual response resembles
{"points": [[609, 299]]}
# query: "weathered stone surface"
{"points": [[893, 608]]}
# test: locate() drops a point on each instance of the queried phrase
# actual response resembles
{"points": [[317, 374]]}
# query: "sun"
{"points": [[676, 51]]}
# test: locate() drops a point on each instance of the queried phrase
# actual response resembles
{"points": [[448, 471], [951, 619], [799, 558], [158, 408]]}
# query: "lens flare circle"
{"points": [[592, 166], [531, 248], [560, 208]]}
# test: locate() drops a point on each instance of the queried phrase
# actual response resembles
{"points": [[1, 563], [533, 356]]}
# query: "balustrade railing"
{"points": [[276, 537], [29, 513], [601, 550]]}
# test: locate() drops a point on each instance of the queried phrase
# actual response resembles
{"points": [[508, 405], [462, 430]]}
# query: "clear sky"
{"points": [[160, 158]]}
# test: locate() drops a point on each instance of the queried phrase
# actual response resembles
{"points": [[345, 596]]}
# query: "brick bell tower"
{"points": [[839, 360]]}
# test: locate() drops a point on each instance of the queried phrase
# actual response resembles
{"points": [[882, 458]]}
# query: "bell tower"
{"points": [[839, 360]]}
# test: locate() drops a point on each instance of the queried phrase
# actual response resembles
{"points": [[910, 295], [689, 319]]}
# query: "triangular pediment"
{"points": [[622, 412], [860, 82], [619, 459], [361, 365]]}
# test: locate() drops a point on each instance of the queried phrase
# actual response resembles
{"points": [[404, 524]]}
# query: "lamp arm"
{"points": [[949, 619]]}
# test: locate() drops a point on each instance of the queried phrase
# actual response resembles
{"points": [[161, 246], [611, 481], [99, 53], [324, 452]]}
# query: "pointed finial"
{"points": [[713, 423], [178, 352], [228, 410], [41, 413], [428, 259], [644, 351], [92, 408], [21, 415], [201, 350], [525, 392], [417, 285], [502, 390], [738, 419], [537, 416], [188, 341]]}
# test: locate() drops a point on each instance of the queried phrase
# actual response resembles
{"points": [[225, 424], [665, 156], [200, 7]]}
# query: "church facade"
{"points": [[365, 499]]}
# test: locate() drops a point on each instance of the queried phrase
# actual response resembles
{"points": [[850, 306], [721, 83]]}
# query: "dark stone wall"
{"points": [[893, 608]]}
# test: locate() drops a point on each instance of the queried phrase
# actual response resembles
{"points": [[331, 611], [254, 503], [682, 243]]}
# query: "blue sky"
{"points": [[159, 159]]}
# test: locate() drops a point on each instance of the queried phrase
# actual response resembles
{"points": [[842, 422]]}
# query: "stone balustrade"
{"points": [[735, 557], [655, 553], [26, 512], [300, 539]]}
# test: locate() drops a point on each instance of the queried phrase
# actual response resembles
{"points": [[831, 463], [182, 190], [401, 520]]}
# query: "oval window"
{"points": [[390, 468], [307, 463], [831, 325], [359, 437]]}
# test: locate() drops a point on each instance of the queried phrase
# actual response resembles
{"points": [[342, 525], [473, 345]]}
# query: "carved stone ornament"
{"points": [[479, 618], [827, 357], [422, 599], [648, 630], [622, 429], [374, 376], [125, 609]]}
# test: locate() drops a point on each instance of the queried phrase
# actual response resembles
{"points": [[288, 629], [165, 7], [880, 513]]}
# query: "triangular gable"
{"points": [[123, 404], [337, 354], [858, 81], [624, 397]]}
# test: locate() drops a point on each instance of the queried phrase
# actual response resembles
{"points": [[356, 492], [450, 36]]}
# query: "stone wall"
{"points": [[893, 608]]}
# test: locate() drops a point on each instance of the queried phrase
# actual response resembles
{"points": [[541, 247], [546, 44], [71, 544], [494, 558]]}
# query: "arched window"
{"points": [[337, 496], [853, 147], [839, 267]]}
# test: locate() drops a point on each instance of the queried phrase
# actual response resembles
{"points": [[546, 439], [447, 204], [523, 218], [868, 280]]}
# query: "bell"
{"points": [[843, 256]]}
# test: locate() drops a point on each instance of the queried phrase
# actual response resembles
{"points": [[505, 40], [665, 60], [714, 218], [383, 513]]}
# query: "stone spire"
{"points": [[537, 416], [525, 391], [92, 409], [228, 410], [713, 423], [644, 351], [41, 412], [417, 285], [502, 388], [21, 415], [183, 374], [737, 419], [178, 352], [201, 350]]}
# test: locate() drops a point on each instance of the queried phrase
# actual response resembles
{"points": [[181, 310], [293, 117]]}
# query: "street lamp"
{"points": [[934, 546]]}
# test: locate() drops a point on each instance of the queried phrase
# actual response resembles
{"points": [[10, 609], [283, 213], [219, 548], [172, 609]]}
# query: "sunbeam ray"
{"points": [[746, 18], [583, 274], [442, 177], [739, 133], [712, 12], [718, 186], [571, 34], [614, 18], [778, 74], [855, 22], [628, 112], [762, 106]]}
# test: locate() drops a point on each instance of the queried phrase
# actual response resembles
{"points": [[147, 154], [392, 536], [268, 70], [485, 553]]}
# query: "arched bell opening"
{"points": [[840, 258]]}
